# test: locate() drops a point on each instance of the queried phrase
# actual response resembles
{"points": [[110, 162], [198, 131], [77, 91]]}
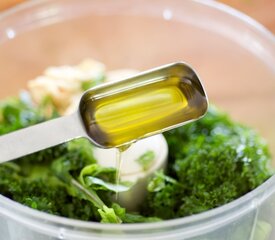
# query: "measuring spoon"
{"points": [[119, 113]]}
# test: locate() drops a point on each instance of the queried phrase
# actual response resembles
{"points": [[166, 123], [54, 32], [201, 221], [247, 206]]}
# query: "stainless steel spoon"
{"points": [[115, 114]]}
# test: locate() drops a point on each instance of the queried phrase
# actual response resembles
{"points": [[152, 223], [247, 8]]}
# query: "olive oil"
{"points": [[119, 152], [120, 113]]}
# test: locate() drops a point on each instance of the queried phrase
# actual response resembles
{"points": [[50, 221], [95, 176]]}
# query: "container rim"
{"points": [[222, 211]]}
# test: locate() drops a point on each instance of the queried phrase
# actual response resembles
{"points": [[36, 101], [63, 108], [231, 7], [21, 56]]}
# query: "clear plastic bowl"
{"points": [[234, 55]]}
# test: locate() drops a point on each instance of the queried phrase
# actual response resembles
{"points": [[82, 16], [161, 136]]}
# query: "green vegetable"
{"points": [[18, 113], [163, 198], [212, 161], [146, 160], [102, 178], [45, 193], [108, 215], [159, 182]]}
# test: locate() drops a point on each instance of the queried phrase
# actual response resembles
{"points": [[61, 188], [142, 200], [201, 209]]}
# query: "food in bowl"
{"points": [[211, 162]]}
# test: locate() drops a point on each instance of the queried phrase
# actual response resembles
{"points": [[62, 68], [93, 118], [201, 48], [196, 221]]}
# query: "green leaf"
{"points": [[97, 183], [146, 160], [95, 170], [108, 215], [102, 178], [158, 182], [84, 193]]}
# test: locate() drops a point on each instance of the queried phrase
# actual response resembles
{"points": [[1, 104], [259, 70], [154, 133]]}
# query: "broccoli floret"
{"points": [[215, 161]]}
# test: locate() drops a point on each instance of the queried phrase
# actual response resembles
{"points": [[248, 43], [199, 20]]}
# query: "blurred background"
{"points": [[261, 10]]}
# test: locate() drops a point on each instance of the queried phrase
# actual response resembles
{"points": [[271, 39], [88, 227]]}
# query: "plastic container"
{"points": [[234, 55]]}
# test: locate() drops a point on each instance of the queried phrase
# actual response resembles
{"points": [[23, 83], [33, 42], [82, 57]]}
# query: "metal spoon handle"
{"points": [[40, 136]]}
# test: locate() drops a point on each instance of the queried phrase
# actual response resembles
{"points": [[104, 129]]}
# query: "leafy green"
{"points": [[146, 160], [102, 178], [16, 114], [108, 215], [164, 193], [159, 181], [213, 161], [78, 155], [117, 214], [45, 193]]}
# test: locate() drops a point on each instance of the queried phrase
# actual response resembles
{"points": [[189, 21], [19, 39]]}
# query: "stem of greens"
{"points": [[89, 193]]}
